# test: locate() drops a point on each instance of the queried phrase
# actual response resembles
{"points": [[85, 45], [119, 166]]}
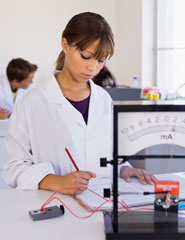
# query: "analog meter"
{"points": [[140, 130], [142, 124]]}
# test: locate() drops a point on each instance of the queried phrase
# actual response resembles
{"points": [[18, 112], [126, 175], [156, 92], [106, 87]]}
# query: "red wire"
{"points": [[125, 206], [47, 201], [73, 212], [52, 197]]}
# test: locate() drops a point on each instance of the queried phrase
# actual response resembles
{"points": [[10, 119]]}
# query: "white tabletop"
{"points": [[15, 222]]}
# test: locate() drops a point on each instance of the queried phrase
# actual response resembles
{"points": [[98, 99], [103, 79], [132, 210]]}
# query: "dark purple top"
{"points": [[82, 106]]}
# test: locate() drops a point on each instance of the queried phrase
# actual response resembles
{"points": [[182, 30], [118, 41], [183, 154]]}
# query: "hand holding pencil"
{"points": [[80, 178], [78, 181], [72, 183]]}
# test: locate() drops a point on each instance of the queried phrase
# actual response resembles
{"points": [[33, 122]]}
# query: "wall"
{"points": [[149, 41], [129, 40], [32, 29], [135, 41]]}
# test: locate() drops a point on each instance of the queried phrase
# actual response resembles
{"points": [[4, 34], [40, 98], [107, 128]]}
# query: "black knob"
{"points": [[103, 162], [106, 192]]}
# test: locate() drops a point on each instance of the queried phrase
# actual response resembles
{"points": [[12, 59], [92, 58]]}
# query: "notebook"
{"points": [[96, 201]]}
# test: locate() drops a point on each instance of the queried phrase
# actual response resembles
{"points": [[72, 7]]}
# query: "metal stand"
{"points": [[141, 225]]}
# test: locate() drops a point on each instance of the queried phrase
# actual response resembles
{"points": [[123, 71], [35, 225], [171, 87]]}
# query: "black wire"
{"points": [[148, 193]]}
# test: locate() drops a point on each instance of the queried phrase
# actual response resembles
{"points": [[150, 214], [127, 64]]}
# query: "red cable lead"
{"points": [[52, 197]]}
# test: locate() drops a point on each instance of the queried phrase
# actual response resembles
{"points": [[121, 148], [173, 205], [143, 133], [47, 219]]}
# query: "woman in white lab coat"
{"points": [[13, 85], [67, 111]]}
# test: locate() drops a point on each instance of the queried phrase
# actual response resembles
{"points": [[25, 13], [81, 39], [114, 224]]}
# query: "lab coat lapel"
{"points": [[55, 96], [96, 109], [72, 113]]}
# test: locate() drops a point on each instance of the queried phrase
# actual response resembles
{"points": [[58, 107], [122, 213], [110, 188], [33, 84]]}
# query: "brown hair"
{"points": [[105, 76], [85, 28], [19, 69]]}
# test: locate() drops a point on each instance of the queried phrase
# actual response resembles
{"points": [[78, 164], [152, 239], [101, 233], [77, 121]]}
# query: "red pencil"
{"points": [[72, 160]]}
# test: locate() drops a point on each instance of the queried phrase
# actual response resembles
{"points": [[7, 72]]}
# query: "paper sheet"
{"points": [[98, 184]]}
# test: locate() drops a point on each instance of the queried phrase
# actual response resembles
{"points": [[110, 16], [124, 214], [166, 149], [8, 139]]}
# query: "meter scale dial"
{"points": [[139, 130], [151, 130]]}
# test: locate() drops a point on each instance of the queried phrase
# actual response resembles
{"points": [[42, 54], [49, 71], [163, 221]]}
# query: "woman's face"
{"points": [[82, 65]]}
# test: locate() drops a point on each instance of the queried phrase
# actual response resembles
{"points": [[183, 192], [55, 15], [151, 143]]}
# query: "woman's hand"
{"points": [[72, 183], [144, 177]]}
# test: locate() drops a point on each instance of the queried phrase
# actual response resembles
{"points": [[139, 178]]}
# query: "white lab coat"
{"points": [[7, 102], [44, 123], [6, 95]]}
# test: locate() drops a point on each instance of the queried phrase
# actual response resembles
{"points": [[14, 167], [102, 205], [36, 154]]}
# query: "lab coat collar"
{"points": [[97, 107], [53, 91], [96, 110], [55, 96]]}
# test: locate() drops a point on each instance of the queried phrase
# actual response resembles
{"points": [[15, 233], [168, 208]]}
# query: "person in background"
{"points": [[13, 85], [67, 112], [105, 78]]}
